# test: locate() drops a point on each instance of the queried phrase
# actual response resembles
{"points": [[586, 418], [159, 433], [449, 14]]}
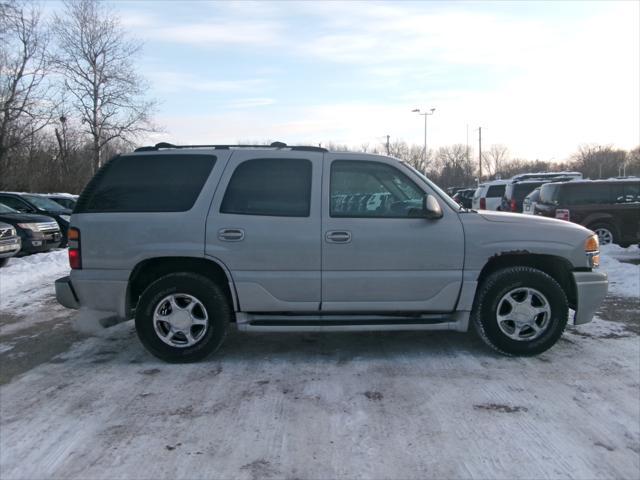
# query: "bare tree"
{"points": [[495, 158], [24, 105], [95, 58]]}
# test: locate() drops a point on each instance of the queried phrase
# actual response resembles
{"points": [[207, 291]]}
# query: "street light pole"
{"points": [[425, 115]]}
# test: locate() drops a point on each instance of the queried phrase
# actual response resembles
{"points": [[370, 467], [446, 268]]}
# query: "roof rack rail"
{"points": [[274, 145]]}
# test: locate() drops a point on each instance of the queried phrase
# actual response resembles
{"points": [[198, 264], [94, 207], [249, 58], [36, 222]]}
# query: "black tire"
{"points": [[210, 295], [497, 285], [608, 227], [4, 261]]}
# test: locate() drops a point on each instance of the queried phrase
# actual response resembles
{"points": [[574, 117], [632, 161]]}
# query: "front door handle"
{"points": [[231, 234], [338, 236]]}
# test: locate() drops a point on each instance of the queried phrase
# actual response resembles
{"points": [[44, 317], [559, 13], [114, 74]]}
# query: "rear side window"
{"points": [[495, 191], [147, 183], [521, 190], [627, 192], [279, 187], [587, 194]]}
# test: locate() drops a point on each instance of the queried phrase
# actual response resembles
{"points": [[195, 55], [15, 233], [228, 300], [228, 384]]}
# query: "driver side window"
{"points": [[372, 190]]}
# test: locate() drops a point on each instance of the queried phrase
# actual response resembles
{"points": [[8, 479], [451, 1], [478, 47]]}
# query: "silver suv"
{"points": [[190, 239]]}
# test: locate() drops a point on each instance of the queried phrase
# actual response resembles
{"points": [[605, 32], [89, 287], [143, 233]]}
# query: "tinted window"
{"points": [[626, 192], [278, 187], [147, 183], [495, 191], [372, 189], [587, 194], [521, 190]]}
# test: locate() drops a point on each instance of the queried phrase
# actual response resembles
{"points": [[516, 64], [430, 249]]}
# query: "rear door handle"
{"points": [[231, 234], [338, 236]]}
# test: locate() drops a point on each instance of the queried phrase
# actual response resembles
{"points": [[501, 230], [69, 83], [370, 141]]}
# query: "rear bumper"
{"points": [[104, 290], [65, 294], [591, 288]]}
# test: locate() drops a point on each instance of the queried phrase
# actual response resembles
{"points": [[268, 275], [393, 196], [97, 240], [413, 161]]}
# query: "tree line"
{"points": [[70, 98]]}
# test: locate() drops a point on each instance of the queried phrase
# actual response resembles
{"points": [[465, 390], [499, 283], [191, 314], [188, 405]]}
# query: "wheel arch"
{"points": [[149, 270], [559, 268]]}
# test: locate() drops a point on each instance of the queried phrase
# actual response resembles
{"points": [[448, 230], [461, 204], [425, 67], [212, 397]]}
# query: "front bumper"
{"points": [[591, 288], [10, 247]]}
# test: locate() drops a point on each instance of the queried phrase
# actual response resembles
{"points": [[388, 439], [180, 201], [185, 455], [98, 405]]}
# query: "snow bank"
{"points": [[624, 277], [28, 280]]}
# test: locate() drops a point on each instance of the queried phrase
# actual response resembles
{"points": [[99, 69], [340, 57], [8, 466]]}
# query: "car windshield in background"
{"points": [[521, 190], [5, 209], [44, 203]]}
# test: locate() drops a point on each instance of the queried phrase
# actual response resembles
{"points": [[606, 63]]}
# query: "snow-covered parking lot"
{"points": [[77, 402]]}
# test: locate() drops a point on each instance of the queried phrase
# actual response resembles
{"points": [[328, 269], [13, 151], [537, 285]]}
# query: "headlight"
{"points": [[592, 250], [66, 218], [30, 226]]}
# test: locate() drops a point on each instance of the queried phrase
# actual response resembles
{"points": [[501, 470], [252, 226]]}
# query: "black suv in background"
{"points": [[31, 203], [611, 208], [37, 232], [515, 193]]}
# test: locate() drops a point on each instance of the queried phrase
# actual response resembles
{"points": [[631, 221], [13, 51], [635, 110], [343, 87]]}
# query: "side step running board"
{"points": [[342, 323]]}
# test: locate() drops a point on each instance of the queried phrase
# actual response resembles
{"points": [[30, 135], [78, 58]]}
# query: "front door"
{"points": [[264, 225], [376, 254]]}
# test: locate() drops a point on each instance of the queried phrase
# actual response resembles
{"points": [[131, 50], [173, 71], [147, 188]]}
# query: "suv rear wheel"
{"points": [[520, 311], [182, 317]]}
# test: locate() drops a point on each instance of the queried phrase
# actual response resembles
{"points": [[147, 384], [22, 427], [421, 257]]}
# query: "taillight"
{"points": [[514, 205], [75, 255], [563, 214], [483, 203]]}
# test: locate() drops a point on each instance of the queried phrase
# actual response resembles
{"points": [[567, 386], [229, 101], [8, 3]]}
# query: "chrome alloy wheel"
{"points": [[605, 237], [180, 320], [523, 314]]}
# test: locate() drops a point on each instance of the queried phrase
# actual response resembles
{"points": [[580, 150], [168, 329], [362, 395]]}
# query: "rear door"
{"points": [[264, 225], [376, 256]]}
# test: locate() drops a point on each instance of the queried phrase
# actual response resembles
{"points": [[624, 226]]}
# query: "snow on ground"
{"points": [[624, 277], [349, 405], [26, 281]]}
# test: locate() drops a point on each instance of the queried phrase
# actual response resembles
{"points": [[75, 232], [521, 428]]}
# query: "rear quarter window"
{"points": [[495, 191], [147, 183]]}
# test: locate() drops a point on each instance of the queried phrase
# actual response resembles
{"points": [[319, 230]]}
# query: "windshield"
{"points": [[451, 202], [5, 209], [44, 203]]}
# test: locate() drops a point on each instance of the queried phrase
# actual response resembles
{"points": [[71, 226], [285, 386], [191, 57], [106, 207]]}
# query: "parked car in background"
{"points": [[67, 200], [279, 238], [37, 233], [529, 202], [488, 195], [515, 192], [10, 243], [611, 208], [463, 197], [33, 203]]}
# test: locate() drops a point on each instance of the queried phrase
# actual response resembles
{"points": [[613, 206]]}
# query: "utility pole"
{"points": [[467, 142], [388, 152], [480, 152]]}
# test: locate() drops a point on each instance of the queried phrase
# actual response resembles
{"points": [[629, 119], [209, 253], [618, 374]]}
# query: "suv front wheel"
{"points": [[520, 311], [182, 317]]}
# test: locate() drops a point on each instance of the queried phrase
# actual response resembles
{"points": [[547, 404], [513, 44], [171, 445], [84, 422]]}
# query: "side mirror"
{"points": [[431, 208]]}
